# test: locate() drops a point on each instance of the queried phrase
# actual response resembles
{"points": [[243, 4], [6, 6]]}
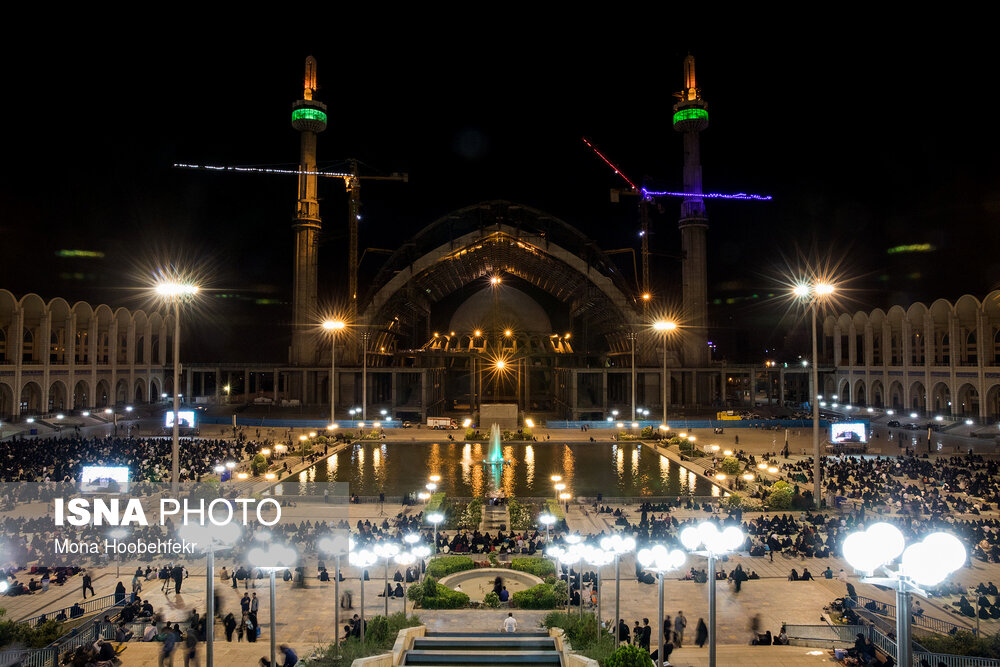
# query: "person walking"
{"points": [[701, 633], [229, 625], [509, 624], [88, 585], [667, 630], [178, 578], [680, 622], [169, 642], [191, 649]]}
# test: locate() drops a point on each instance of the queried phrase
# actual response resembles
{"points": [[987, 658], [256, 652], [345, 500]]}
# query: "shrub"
{"points": [[520, 515], [436, 596], [472, 515], [542, 596], [582, 634], [963, 643], [415, 594], [629, 655], [434, 503], [442, 566], [730, 465], [647, 432], [12, 632], [259, 464], [380, 635], [492, 600], [781, 495], [494, 561], [540, 567]]}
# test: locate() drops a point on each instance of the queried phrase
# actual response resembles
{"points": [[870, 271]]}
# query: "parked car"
{"points": [[892, 423]]}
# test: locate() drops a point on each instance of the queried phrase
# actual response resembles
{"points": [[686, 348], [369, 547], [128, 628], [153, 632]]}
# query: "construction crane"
{"points": [[646, 196], [352, 184]]}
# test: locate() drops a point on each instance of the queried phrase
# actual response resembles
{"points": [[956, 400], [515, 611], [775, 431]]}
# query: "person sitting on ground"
{"points": [[504, 595]]}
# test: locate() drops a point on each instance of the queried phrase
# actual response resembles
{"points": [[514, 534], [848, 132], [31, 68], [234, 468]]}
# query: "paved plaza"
{"points": [[305, 614]]}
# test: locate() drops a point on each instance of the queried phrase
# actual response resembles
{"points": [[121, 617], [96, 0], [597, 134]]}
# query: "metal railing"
{"points": [[89, 607], [887, 610], [825, 635]]}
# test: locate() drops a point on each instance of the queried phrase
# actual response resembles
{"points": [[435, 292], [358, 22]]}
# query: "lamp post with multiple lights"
{"points": [[715, 544], [814, 294], [174, 292], [212, 538], [362, 559], [619, 546], [665, 327], [275, 557], [657, 559], [925, 563], [333, 326]]}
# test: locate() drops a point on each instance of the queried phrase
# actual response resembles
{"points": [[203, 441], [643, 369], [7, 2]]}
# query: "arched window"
{"points": [[876, 349], [971, 351], [3, 346], [28, 346], [917, 349], [896, 352], [81, 347], [944, 358], [54, 348]]}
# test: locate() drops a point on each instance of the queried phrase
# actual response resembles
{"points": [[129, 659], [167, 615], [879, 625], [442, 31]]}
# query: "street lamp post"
{"points": [[386, 551], [598, 557], [657, 559], [337, 546], [715, 544], [210, 538], [404, 558], [547, 520], [925, 563], [275, 557], [435, 518], [619, 546], [814, 293], [333, 326], [174, 292], [631, 336], [362, 559], [666, 327]]}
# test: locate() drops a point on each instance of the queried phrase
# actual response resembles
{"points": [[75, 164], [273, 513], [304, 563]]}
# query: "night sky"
{"points": [[865, 144]]}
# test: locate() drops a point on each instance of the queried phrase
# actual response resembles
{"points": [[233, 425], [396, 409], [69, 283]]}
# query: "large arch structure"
{"points": [[500, 238]]}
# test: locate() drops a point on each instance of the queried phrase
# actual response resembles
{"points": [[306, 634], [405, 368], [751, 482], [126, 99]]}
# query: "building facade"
{"points": [[939, 360], [54, 356]]}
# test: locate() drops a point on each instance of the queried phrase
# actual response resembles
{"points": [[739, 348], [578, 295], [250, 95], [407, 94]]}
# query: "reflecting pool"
{"points": [[614, 469]]}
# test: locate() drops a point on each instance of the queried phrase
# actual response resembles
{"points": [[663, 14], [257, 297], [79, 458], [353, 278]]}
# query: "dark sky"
{"points": [[866, 142]]}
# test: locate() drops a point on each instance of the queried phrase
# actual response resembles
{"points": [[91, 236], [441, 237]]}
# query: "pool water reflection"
{"points": [[614, 469]]}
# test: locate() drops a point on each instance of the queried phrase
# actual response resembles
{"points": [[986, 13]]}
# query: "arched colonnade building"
{"points": [[54, 356], [937, 360]]}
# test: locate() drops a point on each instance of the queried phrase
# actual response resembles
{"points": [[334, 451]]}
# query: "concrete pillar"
{"points": [[189, 378], [722, 386], [218, 384], [604, 393], [276, 378], [781, 387], [836, 344], [572, 394]]}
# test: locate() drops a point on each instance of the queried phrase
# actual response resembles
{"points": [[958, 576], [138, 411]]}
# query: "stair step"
{"points": [[420, 657], [485, 643], [518, 635]]}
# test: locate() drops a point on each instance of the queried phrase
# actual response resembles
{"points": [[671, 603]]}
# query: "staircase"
{"points": [[496, 649], [494, 516]]}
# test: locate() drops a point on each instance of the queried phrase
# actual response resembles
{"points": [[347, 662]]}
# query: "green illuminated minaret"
{"points": [[690, 118], [309, 118]]}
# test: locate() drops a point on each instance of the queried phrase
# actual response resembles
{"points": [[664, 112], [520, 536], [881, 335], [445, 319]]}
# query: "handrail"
{"points": [[89, 606], [889, 611], [847, 634]]}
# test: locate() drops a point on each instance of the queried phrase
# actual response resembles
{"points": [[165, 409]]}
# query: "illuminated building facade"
{"points": [[54, 356], [938, 360]]}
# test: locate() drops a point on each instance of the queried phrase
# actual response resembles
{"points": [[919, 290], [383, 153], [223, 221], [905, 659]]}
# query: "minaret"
{"points": [[309, 118], [690, 118]]}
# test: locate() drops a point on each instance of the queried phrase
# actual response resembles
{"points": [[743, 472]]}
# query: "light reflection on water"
{"points": [[587, 469]]}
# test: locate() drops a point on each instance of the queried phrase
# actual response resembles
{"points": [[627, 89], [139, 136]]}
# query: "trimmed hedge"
{"points": [[437, 596], [442, 566], [542, 596], [540, 567], [629, 655]]}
